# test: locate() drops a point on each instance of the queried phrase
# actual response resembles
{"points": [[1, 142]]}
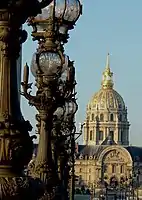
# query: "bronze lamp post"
{"points": [[15, 142], [55, 97]]}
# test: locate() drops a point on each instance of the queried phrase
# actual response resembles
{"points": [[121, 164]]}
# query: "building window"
{"points": [[89, 170], [91, 135], [89, 177], [101, 117], [111, 117], [113, 169], [111, 135], [80, 170], [101, 135], [92, 117], [121, 169]]}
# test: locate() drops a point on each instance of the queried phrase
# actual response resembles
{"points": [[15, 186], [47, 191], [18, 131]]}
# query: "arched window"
{"points": [[101, 134], [91, 135], [80, 170], [93, 117], [101, 117], [111, 117]]}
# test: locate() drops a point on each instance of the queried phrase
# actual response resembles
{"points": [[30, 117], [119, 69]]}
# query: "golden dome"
{"points": [[107, 97]]}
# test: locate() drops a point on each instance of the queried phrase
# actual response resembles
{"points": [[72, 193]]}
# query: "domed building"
{"points": [[106, 114], [105, 157]]}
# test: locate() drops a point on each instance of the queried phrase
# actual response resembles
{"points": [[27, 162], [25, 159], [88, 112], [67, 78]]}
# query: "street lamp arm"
{"points": [[80, 132], [32, 99], [78, 136]]}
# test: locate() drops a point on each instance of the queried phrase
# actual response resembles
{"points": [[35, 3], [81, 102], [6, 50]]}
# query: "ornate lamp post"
{"points": [[73, 139], [65, 155], [15, 142], [46, 65], [50, 66], [64, 17]]}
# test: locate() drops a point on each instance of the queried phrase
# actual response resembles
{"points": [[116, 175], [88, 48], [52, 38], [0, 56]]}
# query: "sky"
{"points": [[105, 26]]}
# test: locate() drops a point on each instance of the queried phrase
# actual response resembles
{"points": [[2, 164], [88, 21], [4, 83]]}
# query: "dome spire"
{"points": [[107, 81], [107, 62]]}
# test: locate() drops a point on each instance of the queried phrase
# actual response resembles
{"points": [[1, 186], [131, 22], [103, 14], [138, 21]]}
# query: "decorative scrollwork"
{"points": [[21, 188], [15, 142]]}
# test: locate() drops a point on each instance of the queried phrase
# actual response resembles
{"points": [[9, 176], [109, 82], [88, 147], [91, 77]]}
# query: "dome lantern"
{"points": [[107, 82]]}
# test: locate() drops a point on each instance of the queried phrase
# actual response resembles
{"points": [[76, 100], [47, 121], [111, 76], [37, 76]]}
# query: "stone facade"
{"points": [[105, 156], [110, 161]]}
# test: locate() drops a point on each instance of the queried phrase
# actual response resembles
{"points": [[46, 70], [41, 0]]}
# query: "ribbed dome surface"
{"points": [[107, 99]]}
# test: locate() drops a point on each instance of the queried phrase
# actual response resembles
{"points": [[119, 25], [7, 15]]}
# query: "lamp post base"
{"points": [[20, 188]]}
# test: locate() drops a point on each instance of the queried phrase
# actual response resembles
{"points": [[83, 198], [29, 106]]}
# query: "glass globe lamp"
{"points": [[49, 63], [64, 75], [41, 20], [59, 113], [34, 66], [70, 108], [62, 82], [67, 12]]}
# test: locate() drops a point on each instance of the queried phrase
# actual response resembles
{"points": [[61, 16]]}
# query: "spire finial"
{"points": [[107, 81], [107, 62]]}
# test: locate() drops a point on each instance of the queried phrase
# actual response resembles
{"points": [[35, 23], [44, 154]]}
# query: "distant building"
{"points": [[106, 163], [105, 158]]}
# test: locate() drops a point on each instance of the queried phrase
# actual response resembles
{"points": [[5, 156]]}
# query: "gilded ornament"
{"points": [[111, 100], [114, 156], [102, 100]]}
